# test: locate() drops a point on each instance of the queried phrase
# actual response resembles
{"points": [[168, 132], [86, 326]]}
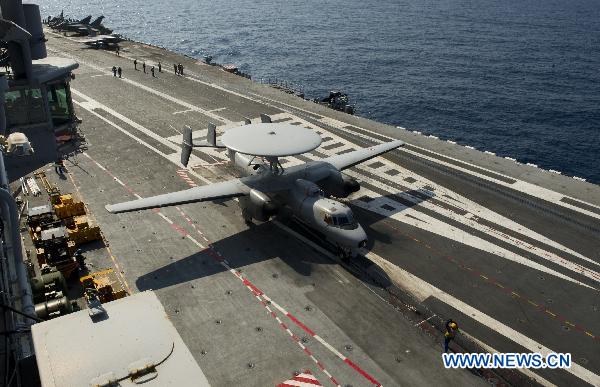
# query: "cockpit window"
{"points": [[345, 221]]}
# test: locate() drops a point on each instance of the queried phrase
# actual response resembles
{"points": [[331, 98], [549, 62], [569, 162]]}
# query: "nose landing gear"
{"points": [[344, 253]]}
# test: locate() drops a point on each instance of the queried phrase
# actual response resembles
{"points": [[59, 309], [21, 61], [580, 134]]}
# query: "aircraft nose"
{"points": [[358, 239]]}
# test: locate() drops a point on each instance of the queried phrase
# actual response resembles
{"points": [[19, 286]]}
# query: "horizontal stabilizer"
{"points": [[188, 143], [211, 139]]}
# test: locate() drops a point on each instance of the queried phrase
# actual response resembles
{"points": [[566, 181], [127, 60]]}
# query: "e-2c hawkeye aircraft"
{"points": [[267, 188]]}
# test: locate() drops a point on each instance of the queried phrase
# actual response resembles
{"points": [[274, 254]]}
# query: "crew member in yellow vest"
{"points": [[450, 333]]}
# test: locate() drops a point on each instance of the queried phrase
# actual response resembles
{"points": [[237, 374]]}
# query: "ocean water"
{"points": [[520, 78]]}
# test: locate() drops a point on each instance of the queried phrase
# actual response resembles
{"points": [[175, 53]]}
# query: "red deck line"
{"points": [[306, 380], [254, 289], [362, 372], [299, 323]]}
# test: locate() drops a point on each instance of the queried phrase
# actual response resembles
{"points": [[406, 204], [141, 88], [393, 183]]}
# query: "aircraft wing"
{"points": [[350, 159], [225, 189]]}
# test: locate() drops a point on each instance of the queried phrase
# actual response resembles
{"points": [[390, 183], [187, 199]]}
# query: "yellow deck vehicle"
{"points": [[65, 206], [106, 283], [80, 231]]}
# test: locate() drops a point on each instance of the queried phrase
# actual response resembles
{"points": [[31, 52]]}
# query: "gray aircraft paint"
{"points": [[266, 189]]}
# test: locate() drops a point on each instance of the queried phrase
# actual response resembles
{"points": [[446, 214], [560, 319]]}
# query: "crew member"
{"points": [[114, 70], [135, 64], [119, 71], [450, 333], [175, 68], [59, 166], [159, 67], [144, 67], [80, 258], [152, 70]]}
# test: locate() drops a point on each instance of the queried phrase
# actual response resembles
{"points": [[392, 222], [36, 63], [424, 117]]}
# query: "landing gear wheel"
{"points": [[247, 218], [343, 254]]}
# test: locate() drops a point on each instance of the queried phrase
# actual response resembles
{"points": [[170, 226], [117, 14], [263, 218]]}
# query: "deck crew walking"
{"points": [[119, 71], [114, 70], [144, 67], [135, 64]]}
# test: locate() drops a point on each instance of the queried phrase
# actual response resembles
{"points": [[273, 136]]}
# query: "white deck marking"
{"points": [[148, 89], [520, 185], [576, 268], [183, 111], [431, 224], [475, 210], [426, 290], [174, 160]]}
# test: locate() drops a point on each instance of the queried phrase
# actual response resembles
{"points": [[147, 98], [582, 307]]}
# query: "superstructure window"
{"points": [[58, 99], [24, 107]]}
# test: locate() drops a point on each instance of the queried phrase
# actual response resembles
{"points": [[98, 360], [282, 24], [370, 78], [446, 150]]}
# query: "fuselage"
{"points": [[303, 190]]}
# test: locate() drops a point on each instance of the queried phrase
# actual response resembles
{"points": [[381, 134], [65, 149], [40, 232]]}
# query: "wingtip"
{"points": [[109, 208]]}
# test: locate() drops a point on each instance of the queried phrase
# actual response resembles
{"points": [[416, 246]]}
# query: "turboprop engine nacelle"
{"points": [[258, 205], [339, 185]]}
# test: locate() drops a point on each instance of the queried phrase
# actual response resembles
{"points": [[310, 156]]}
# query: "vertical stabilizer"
{"points": [[97, 22], [186, 145], [211, 135], [86, 20]]}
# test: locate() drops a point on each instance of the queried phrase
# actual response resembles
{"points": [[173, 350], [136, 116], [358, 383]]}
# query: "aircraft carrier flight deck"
{"points": [[509, 251]]}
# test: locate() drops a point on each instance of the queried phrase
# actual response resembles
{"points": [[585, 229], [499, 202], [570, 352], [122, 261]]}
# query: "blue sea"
{"points": [[520, 78]]}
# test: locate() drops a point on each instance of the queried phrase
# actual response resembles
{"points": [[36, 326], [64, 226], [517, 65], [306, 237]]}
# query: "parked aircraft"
{"points": [[103, 41], [305, 190], [60, 21], [83, 27]]}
